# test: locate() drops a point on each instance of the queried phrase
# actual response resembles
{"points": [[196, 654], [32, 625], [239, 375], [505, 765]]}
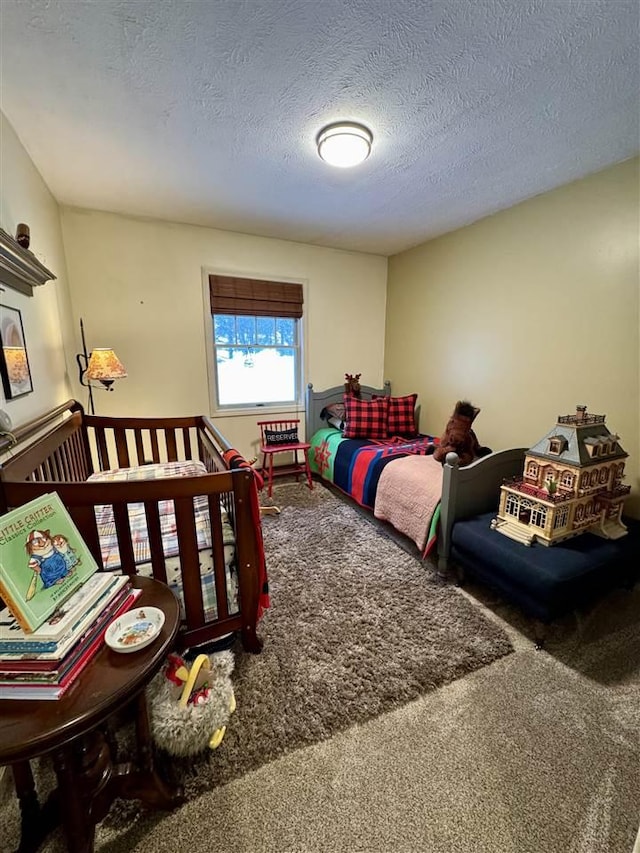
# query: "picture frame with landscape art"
{"points": [[14, 360]]}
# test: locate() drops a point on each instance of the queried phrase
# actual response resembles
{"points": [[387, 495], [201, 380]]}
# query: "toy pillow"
{"points": [[458, 435], [334, 414], [365, 418], [280, 436], [402, 417]]}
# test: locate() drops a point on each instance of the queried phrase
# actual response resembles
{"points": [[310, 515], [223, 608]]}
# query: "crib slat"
{"points": [[186, 439], [219, 568], [125, 543], [155, 450], [172, 448], [85, 520], [151, 509], [139, 447], [120, 436], [103, 453], [189, 562]]}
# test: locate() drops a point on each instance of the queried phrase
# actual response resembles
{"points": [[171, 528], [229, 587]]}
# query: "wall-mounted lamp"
{"points": [[344, 144], [103, 366]]}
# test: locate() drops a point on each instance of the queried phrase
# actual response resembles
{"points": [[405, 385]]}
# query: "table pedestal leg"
{"points": [[35, 822], [83, 770], [143, 782], [88, 782]]}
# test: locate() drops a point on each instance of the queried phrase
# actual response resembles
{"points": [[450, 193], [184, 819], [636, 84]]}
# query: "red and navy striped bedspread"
{"points": [[354, 465]]}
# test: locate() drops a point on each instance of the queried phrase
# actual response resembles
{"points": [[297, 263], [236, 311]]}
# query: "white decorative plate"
{"points": [[135, 629]]}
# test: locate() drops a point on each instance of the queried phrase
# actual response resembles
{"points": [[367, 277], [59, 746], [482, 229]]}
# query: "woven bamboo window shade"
{"points": [[254, 297]]}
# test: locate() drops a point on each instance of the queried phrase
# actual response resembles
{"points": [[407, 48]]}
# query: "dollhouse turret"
{"points": [[571, 483]]}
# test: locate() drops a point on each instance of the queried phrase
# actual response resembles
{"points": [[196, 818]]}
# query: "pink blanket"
{"points": [[408, 494]]}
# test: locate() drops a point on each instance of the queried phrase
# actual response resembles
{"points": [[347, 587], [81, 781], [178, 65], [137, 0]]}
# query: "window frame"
{"points": [[235, 410]]}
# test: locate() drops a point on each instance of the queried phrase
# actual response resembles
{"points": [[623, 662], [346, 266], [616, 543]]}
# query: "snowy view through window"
{"points": [[256, 359]]}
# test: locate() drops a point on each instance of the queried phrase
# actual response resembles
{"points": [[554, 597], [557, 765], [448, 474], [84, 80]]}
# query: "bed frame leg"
{"points": [[443, 568], [251, 642]]}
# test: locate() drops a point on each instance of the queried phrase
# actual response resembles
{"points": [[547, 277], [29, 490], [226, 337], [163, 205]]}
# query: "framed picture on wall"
{"points": [[14, 361]]}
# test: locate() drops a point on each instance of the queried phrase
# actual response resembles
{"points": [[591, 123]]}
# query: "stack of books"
{"points": [[57, 604]]}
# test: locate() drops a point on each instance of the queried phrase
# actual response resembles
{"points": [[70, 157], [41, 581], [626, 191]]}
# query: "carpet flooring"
{"points": [[537, 753], [356, 627]]}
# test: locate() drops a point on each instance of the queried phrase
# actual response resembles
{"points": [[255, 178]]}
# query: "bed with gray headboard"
{"points": [[465, 492]]}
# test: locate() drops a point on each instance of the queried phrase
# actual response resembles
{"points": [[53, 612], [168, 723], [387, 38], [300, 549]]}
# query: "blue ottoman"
{"points": [[546, 582]]}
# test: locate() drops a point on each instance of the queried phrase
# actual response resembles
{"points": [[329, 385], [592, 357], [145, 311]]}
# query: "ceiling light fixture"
{"points": [[344, 144]]}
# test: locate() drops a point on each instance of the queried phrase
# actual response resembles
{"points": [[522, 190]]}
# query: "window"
{"points": [[512, 505], [539, 516], [567, 479], [256, 328], [524, 513], [557, 444], [562, 516]]}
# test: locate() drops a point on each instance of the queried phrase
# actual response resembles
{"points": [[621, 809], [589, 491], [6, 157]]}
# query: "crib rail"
{"points": [[130, 442]]}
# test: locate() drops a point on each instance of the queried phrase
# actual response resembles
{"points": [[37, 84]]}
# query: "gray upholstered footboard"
{"points": [[472, 490]]}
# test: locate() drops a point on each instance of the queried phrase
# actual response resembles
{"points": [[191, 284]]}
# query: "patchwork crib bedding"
{"points": [[371, 471], [140, 537]]}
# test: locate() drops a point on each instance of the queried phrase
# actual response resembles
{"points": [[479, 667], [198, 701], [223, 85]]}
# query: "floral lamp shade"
{"points": [[105, 366]]}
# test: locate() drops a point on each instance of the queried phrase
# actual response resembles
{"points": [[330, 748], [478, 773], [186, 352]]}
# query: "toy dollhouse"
{"points": [[571, 483]]}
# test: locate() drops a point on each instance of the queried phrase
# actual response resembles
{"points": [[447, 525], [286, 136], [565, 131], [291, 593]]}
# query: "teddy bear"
{"points": [[458, 436], [190, 706]]}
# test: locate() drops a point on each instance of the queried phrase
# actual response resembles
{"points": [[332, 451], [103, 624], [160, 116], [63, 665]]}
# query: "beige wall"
{"points": [[527, 313], [138, 285], [24, 197]]}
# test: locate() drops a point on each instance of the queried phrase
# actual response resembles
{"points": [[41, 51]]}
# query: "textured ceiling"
{"points": [[206, 111]]}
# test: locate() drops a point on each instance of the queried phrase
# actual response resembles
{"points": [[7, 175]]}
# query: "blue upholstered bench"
{"points": [[546, 582]]}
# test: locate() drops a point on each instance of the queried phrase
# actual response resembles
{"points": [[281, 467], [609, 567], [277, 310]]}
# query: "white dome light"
{"points": [[344, 144]]}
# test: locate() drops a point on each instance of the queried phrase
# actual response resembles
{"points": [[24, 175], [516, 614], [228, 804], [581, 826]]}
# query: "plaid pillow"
{"points": [[402, 420], [365, 418]]}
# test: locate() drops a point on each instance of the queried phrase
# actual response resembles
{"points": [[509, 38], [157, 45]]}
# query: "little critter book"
{"points": [[43, 559]]}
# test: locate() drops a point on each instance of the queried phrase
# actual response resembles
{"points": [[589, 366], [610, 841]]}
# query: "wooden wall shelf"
{"points": [[19, 268]]}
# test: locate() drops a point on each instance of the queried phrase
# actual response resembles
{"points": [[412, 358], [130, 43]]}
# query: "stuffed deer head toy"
{"points": [[352, 384]]}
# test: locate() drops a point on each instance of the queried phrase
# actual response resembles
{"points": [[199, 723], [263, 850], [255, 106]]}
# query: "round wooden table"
{"points": [[74, 730]]}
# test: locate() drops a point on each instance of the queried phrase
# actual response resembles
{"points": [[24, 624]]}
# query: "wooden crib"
{"points": [[68, 451]]}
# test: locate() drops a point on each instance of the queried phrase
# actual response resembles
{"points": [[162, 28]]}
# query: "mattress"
{"points": [[140, 538]]}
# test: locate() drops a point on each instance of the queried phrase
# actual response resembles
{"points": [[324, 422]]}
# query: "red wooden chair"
{"points": [[281, 436]]}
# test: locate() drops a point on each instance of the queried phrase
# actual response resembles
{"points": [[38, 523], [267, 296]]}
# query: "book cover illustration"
{"points": [[43, 559]]}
